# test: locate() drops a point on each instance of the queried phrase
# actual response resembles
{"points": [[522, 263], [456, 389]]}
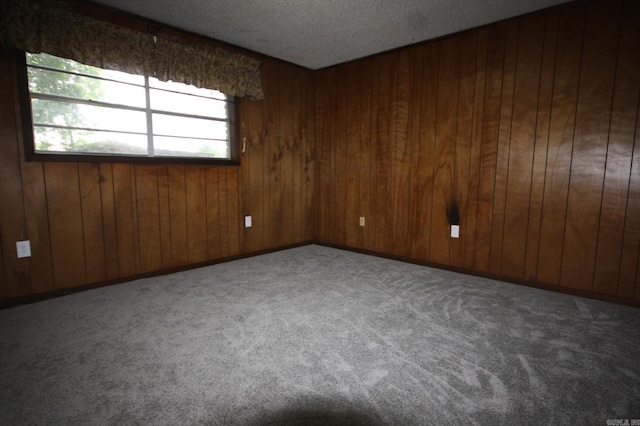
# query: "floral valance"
{"points": [[48, 26]]}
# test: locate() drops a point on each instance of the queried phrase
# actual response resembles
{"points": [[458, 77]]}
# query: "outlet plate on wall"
{"points": [[23, 248]]}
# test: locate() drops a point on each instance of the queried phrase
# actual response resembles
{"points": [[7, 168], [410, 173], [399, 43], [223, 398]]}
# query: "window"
{"points": [[79, 110]]}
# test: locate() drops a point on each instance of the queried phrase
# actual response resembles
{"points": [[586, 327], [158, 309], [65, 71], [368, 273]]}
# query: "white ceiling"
{"points": [[320, 33]]}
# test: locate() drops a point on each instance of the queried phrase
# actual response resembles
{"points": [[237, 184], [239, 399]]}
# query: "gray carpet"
{"points": [[316, 335]]}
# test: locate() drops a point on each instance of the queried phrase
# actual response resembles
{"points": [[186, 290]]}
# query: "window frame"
{"points": [[32, 155]]}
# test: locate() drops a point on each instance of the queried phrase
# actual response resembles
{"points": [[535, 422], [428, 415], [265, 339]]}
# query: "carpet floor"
{"points": [[315, 335]]}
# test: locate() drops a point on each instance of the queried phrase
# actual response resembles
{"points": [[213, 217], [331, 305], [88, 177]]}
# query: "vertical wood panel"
{"points": [[286, 148], [609, 276], [415, 111], [309, 170], [593, 116], [92, 226], [444, 154], [196, 213], [233, 208], [214, 213], [12, 214], [381, 113], [254, 236], [471, 214], [363, 95], [464, 128], [147, 195], [504, 146], [65, 216], [488, 153], [400, 242], [563, 107], [521, 152], [178, 215], [541, 145], [164, 216], [426, 161], [351, 164], [110, 231]]}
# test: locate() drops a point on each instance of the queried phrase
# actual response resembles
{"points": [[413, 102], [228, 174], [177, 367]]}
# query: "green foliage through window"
{"points": [[79, 109]]}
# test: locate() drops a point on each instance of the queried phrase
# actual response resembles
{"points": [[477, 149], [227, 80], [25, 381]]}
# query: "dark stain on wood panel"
{"points": [[464, 129], [444, 153]]}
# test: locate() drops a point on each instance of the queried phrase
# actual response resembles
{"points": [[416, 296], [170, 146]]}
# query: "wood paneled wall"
{"points": [[90, 223], [529, 127]]}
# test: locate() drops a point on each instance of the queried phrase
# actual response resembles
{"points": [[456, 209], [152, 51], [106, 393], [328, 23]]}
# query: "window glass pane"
{"points": [[87, 116], [187, 104], [169, 125], [184, 147], [185, 88], [81, 141], [87, 88], [49, 61]]}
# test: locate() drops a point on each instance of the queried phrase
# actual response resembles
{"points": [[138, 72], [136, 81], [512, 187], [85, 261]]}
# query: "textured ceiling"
{"points": [[320, 33]]}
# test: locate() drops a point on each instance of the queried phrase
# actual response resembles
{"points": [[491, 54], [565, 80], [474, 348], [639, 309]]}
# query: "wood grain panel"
{"points": [[400, 242], [233, 211], [276, 148], [352, 142], [426, 163], [489, 149], [12, 214], [444, 153], [382, 116], [196, 209], [464, 129], [415, 110], [309, 170], [214, 213], [65, 211], [609, 276], [521, 148], [589, 157], [504, 146], [92, 226], [563, 110], [164, 215], [125, 214], [470, 217], [286, 132], [147, 196], [178, 215], [109, 226], [539, 167], [363, 101], [253, 160]]}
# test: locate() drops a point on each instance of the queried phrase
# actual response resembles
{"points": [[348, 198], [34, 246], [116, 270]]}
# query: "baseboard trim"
{"points": [[24, 300], [511, 280]]}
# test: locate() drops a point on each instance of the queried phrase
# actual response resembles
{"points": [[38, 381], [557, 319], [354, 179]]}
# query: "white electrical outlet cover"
{"points": [[247, 221], [455, 231], [23, 248]]}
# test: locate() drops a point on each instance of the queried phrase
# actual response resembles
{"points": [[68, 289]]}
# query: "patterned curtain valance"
{"points": [[52, 27]]}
